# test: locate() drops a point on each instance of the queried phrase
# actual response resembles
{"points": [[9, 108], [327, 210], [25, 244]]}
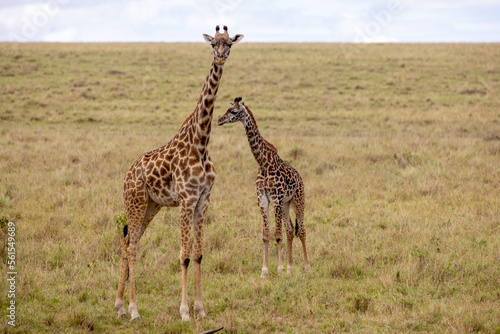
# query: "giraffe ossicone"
{"points": [[278, 184], [179, 174]]}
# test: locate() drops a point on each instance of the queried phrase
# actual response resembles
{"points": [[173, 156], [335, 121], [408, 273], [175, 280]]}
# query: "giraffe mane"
{"points": [[188, 119], [268, 144]]}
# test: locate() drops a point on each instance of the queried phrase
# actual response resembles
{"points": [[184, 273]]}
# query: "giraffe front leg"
{"points": [[278, 234], [264, 211], [198, 304], [265, 270], [187, 215], [199, 219], [184, 309]]}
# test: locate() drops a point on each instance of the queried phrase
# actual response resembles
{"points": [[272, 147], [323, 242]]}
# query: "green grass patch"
{"points": [[398, 147]]}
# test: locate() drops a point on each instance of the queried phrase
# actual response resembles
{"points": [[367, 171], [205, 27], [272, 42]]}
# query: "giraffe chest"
{"points": [[170, 180], [278, 184], [160, 186]]}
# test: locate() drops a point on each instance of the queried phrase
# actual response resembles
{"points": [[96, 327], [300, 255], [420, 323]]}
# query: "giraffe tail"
{"points": [[125, 230], [296, 228]]}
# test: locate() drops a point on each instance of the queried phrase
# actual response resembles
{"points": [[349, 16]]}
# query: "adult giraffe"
{"points": [[180, 173]]}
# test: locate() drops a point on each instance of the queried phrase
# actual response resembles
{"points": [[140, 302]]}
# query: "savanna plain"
{"points": [[398, 146]]}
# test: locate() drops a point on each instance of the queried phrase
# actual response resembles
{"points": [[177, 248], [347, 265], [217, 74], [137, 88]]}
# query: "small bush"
{"points": [[121, 221]]}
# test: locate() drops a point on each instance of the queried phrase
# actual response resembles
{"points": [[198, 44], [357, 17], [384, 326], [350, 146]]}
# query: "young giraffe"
{"points": [[277, 183], [180, 173]]}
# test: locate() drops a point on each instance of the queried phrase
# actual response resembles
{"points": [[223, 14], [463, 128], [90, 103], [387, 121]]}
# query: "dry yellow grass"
{"points": [[398, 146]]}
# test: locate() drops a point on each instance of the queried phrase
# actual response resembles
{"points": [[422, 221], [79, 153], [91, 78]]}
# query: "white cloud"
{"points": [[381, 39], [259, 20], [28, 22], [68, 34], [9, 17]]}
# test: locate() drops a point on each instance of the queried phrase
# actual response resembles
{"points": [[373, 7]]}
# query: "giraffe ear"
{"points": [[237, 38], [231, 104], [208, 38]]}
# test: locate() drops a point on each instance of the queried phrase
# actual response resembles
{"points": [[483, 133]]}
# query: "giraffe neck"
{"points": [[263, 151], [201, 118]]}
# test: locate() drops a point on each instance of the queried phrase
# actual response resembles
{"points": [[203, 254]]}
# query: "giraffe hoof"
{"points": [[198, 308], [184, 311], [265, 273], [136, 319], [123, 316]]}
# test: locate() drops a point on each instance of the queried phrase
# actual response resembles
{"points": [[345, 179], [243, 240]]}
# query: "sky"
{"points": [[353, 21]]}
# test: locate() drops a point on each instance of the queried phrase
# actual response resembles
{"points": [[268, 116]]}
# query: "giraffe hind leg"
{"points": [[289, 235], [140, 211], [300, 230], [278, 234], [123, 276], [151, 210]]}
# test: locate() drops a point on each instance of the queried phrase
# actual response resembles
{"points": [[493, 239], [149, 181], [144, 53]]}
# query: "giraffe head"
{"points": [[221, 44], [236, 112]]}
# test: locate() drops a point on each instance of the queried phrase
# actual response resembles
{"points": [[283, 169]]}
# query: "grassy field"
{"points": [[398, 146]]}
